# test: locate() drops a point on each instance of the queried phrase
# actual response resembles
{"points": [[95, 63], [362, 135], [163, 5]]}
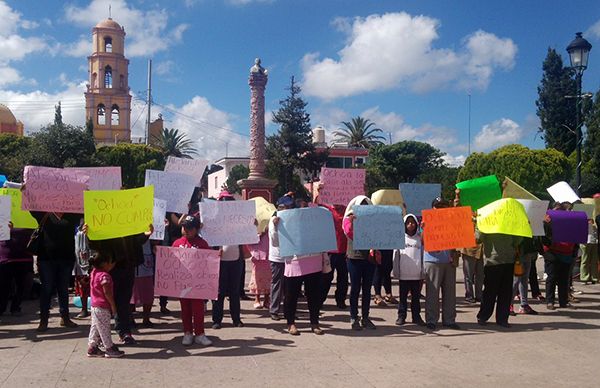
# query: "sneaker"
{"points": [[550, 306], [400, 321], [527, 310], [216, 326], [238, 324], [113, 353], [275, 317], [202, 340], [293, 330], [367, 324], [127, 339], [355, 324], [94, 351], [188, 339], [511, 310]]}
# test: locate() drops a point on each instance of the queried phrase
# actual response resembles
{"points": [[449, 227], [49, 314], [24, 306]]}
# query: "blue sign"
{"points": [[2, 180], [305, 231], [419, 196], [378, 227]]}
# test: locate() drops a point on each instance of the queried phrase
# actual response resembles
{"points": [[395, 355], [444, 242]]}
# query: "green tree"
{"points": [[557, 113], [174, 143], [62, 146], [237, 172], [359, 132], [89, 127], [445, 175], [14, 155], [134, 160], [58, 119], [591, 156]]}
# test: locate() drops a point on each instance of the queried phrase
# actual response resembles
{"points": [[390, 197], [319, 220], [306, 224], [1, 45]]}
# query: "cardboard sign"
{"points": [[569, 226], [595, 202], [53, 190], [504, 216], [419, 196], [4, 217], [340, 185], [228, 222], [450, 228], [388, 197], [158, 219], [588, 209], [192, 167], [175, 188], [512, 190], [562, 192], [264, 212], [118, 213], [187, 273], [378, 227], [305, 231], [479, 192], [20, 218], [101, 178], [536, 211]]}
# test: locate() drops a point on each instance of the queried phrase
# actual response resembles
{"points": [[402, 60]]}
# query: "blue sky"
{"points": [[406, 65]]}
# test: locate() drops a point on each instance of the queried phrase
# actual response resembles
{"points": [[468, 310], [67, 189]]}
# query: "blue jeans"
{"points": [[521, 283], [361, 279], [230, 273], [54, 275]]}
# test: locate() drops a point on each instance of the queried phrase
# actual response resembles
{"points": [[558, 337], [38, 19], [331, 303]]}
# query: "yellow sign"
{"points": [[388, 197], [264, 212], [504, 216], [513, 190], [118, 213], [595, 202], [20, 218]]}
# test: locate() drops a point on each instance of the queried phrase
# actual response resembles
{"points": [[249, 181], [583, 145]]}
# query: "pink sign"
{"points": [[101, 178], [340, 185], [53, 190], [187, 273]]}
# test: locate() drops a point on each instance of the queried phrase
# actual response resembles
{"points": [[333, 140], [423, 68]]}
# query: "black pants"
{"points": [[497, 290], [123, 279], [312, 287], [533, 280], [414, 287], [163, 300], [229, 277], [18, 273], [558, 276], [243, 279], [383, 276], [339, 266]]}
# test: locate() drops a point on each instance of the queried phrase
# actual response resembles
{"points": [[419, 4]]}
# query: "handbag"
{"points": [[33, 246]]}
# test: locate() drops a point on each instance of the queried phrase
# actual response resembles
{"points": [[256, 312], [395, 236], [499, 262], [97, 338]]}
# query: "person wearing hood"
{"points": [[361, 267], [408, 268]]}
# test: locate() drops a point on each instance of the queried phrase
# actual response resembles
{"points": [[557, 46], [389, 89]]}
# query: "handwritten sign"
{"points": [[536, 211], [191, 167], [53, 190], [588, 209], [513, 190], [562, 192], [175, 188], [20, 218], [595, 202], [158, 219], [479, 192], [569, 226], [340, 185], [306, 230], [378, 227], [4, 217], [419, 196], [388, 197], [118, 213], [187, 273], [228, 222], [504, 216], [264, 212], [449, 228], [101, 178]]}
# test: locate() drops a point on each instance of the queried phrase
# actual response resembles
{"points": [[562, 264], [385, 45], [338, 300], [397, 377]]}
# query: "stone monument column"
{"points": [[257, 185]]}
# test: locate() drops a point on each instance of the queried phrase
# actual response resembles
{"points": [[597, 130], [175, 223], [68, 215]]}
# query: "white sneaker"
{"points": [[188, 339], [202, 340]]}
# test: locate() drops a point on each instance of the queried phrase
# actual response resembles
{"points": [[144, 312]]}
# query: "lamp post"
{"points": [[579, 51]]}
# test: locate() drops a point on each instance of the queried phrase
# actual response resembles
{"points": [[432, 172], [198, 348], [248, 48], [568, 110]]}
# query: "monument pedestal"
{"points": [[258, 187]]}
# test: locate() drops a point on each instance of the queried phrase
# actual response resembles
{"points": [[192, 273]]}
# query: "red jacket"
{"points": [[195, 242], [340, 236]]}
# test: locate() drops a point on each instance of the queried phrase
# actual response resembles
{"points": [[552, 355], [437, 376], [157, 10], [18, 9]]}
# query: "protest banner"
{"points": [[53, 190], [159, 212], [511, 189], [504, 216], [378, 227], [388, 197], [4, 217], [101, 178], [187, 273], [562, 192], [569, 226], [536, 211], [228, 222], [306, 230], [449, 228], [588, 209], [192, 167], [419, 196], [118, 213], [20, 218], [479, 192], [173, 187], [264, 212], [340, 185]]}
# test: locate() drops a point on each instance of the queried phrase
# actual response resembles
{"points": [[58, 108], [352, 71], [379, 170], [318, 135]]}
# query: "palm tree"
{"points": [[359, 133], [176, 144]]}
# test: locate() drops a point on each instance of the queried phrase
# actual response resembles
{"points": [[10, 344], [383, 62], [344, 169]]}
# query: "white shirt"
{"points": [[274, 243]]}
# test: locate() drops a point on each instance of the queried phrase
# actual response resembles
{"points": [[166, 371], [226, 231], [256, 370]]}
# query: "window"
{"points": [[114, 115], [101, 115], [108, 77], [216, 183], [334, 162], [108, 44]]}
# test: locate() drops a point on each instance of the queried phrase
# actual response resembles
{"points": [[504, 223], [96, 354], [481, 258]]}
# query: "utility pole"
{"points": [[469, 123], [149, 100]]}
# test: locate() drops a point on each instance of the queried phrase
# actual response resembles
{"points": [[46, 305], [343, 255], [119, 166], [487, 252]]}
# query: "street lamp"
{"points": [[579, 51]]}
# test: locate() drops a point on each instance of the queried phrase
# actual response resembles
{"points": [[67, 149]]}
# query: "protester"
{"points": [[81, 269], [260, 281], [143, 285], [172, 233], [276, 261], [383, 277], [588, 272], [408, 269], [472, 259], [528, 251], [534, 282], [337, 260], [16, 266]]}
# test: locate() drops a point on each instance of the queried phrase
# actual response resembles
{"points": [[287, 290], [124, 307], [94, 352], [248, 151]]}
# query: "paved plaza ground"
{"points": [[556, 348]]}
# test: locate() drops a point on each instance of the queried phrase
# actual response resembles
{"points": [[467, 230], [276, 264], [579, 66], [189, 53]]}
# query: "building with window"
{"points": [[340, 154], [218, 178]]}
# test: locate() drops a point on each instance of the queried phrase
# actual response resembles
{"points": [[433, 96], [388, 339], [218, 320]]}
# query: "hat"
{"points": [[286, 201], [191, 222], [225, 196]]}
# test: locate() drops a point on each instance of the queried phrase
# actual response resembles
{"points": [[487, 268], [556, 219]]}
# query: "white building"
{"points": [[218, 178]]}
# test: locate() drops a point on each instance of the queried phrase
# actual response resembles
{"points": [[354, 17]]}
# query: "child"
{"points": [[103, 306], [408, 268], [143, 285], [260, 281], [192, 308]]}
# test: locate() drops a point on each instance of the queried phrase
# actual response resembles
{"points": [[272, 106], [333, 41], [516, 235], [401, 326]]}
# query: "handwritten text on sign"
{"points": [[306, 230], [101, 178], [158, 219], [340, 185], [187, 273], [191, 167], [53, 190], [175, 188], [20, 218], [228, 222], [449, 228], [378, 227], [505, 216]]}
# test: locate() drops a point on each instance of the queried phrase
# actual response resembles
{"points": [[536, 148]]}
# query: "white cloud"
{"points": [[594, 30], [147, 30], [80, 48], [497, 134], [246, 2], [164, 68], [396, 50]]}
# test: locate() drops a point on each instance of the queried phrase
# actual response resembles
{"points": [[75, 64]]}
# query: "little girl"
{"points": [[103, 306], [143, 285], [260, 281]]}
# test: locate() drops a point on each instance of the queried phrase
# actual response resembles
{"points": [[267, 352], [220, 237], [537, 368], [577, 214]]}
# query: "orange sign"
{"points": [[449, 228]]}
